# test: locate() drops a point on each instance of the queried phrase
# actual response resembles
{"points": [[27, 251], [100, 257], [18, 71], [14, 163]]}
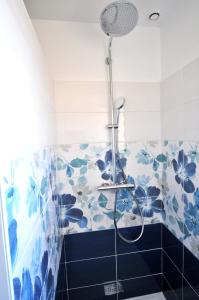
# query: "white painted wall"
{"points": [[76, 56], [180, 65]]}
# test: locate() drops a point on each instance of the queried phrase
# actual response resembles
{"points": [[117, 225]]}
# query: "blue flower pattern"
{"points": [[149, 201], [29, 202], [184, 171]]}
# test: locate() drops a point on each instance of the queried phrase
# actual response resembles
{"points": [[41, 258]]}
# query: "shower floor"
{"points": [[157, 296]]}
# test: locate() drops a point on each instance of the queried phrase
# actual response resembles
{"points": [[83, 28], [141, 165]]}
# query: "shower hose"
{"points": [[133, 199]]}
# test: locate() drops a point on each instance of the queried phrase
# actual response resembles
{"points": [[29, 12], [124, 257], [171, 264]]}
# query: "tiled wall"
{"points": [[180, 179], [32, 218], [79, 105], [81, 168], [105, 258], [80, 81], [180, 269], [153, 264], [27, 176], [180, 105], [179, 111]]}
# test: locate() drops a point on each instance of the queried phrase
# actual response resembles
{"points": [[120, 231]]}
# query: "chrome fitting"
{"points": [[110, 126], [116, 187]]}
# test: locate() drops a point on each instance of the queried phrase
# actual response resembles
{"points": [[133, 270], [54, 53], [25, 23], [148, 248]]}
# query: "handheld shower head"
{"points": [[118, 105], [119, 18]]}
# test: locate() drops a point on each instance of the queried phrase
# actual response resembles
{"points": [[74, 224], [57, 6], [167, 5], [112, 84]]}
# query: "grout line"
{"points": [[139, 277], [172, 261], [87, 259], [106, 112], [190, 287], [66, 269], [171, 288], [116, 261], [183, 256], [113, 255], [112, 281], [161, 243], [162, 267]]}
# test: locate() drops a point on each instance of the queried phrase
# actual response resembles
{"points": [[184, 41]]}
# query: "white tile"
{"points": [[191, 81], [139, 96], [93, 96], [172, 124], [85, 96], [157, 296], [82, 128], [191, 124], [142, 126], [172, 94]]}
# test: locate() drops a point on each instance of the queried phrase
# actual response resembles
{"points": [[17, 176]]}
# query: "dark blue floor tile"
{"points": [[191, 269], [90, 293], [92, 244], [172, 275], [91, 272], [139, 264], [150, 239], [188, 292], [61, 296], [61, 279], [140, 286], [173, 247]]}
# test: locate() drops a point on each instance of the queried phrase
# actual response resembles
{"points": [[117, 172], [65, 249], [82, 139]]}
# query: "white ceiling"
{"points": [[89, 10]]}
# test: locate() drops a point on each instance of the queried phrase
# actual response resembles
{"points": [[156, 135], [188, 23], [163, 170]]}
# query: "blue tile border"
{"points": [[139, 264], [134, 263], [140, 286], [62, 279], [92, 245], [188, 292], [128, 288], [191, 270], [168, 290], [151, 238], [95, 292], [190, 267], [173, 247], [173, 276], [91, 272]]}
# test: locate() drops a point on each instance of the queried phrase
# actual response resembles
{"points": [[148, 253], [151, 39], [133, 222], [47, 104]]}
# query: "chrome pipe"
{"points": [[109, 63]]}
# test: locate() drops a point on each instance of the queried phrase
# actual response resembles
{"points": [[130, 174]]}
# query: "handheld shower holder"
{"points": [[110, 126]]}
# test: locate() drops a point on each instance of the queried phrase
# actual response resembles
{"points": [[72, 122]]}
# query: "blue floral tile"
{"points": [[82, 168], [53, 192], [182, 192], [33, 233]]}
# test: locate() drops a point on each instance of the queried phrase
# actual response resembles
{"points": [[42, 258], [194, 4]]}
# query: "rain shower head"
{"points": [[119, 18]]}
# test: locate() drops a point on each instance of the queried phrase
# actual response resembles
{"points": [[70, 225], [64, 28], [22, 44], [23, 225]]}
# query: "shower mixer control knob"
{"points": [[116, 186]]}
